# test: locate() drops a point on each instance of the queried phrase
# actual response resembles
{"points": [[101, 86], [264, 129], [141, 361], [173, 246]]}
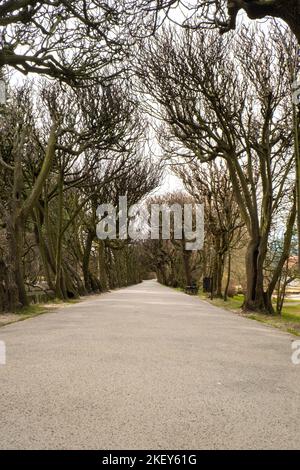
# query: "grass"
{"points": [[179, 289], [37, 309], [233, 303], [292, 310], [33, 310], [288, 321], [282, 322]]}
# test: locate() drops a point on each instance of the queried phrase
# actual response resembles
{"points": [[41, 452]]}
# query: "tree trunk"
{"points": [[86, 261], [42, 247], [285, 252], [290, 13], [296, 117], [219, 275], [102, 274], [255, 298], [228, 277], [4, 300], [16, 285], [187, 268], [13, 301], [59, 292], [287, 10]]}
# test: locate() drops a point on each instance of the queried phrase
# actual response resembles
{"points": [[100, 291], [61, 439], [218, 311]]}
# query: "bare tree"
{"points": [[57, 155], [210, 185], [215, 105], [68, 40]]}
